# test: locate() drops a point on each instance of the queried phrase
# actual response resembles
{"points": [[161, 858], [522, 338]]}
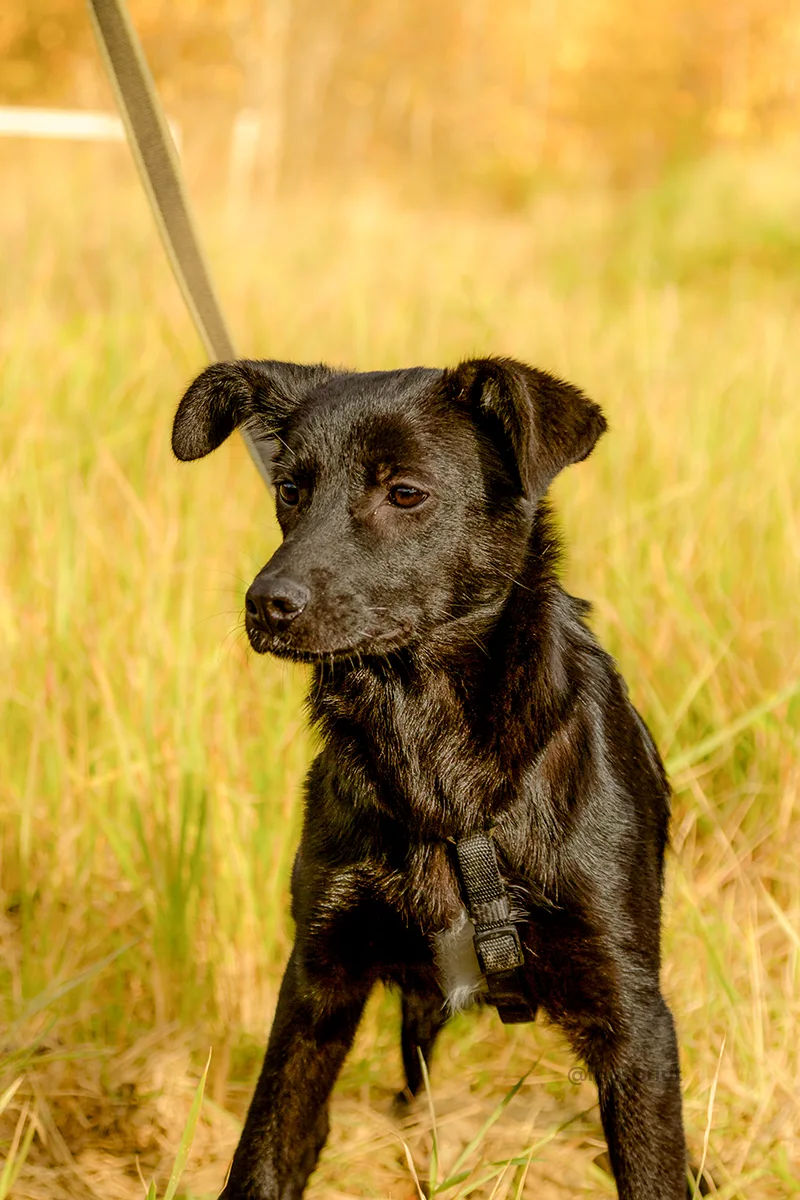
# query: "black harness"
{"points": [[497, 943]]}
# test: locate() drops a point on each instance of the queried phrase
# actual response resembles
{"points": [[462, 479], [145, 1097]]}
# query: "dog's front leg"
{"points": [[638, 1082], [287, 1122]]}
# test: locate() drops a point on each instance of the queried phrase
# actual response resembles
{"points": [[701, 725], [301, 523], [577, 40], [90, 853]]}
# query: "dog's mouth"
{"points": [[289, 646]]}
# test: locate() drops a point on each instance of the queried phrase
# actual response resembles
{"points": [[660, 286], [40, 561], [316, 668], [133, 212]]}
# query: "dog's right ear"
{"points": [[227, 394]]}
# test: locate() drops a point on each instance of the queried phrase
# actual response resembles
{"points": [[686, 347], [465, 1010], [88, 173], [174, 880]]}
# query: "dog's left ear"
{"points": [[549, 423]]}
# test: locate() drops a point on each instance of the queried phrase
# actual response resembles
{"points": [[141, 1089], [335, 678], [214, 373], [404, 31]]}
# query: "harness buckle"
{"points": [[498, 949]]}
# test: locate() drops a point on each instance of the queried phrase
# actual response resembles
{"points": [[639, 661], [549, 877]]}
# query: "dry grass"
{"points": [[149, 768]]}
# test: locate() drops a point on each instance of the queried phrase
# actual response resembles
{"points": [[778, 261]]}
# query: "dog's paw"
{"points": [[402, 1105]]}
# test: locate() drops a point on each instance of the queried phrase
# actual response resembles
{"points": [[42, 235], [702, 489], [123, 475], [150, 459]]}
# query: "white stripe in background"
{"points": [[84, 125]]}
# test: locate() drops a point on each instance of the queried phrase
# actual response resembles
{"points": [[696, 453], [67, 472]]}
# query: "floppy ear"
{"points": [[549, 423], [227, 394]]}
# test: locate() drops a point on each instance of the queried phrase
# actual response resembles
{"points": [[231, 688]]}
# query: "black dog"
{"points": [[470, 722]]}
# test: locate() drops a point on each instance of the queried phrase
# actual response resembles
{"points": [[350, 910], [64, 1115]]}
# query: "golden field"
{"points": [[150, 766]]}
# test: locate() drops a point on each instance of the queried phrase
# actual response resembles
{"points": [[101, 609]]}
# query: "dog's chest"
{"points": [[421, 751], [424, 762]]}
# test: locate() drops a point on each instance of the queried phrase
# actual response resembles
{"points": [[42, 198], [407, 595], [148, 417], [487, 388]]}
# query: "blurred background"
{"points": [[608, 191], [468, 100]]}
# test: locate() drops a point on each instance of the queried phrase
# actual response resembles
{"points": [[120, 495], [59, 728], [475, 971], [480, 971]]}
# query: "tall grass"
{"points": [[150, 767]]}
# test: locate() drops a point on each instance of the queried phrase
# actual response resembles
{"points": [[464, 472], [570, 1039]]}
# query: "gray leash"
{"points": [[153, 150], [496, 939]]}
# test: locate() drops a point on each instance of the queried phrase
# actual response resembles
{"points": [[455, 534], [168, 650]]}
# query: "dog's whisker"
{"points": [[517, 582]]}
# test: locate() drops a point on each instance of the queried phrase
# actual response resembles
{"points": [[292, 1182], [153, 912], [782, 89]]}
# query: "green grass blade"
{"points": [[686, 759], [187, 1136], [453, 1178], [525, 1158], [58, 990], [20, 1145], [433, 1168], [117, 836]]}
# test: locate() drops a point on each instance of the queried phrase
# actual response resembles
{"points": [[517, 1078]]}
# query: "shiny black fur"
{"points": [[457, 688]]}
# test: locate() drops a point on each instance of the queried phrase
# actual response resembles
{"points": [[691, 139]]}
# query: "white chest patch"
{"points": [[457, 964]]}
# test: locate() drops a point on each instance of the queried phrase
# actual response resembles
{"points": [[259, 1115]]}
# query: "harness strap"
{"points": [[154, 153], [497, 943]]}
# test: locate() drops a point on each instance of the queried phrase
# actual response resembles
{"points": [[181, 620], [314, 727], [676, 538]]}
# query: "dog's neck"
{"points": [[463, 719]]}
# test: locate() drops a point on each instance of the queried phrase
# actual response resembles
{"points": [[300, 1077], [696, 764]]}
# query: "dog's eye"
{"points": [[289, 492], [403, 496]]}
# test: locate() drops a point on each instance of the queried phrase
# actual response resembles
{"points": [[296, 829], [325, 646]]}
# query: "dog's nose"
{"points": [[276, 602]]}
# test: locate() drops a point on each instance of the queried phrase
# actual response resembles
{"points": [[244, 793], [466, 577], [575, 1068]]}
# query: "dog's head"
{"points": [[405, 497]]}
